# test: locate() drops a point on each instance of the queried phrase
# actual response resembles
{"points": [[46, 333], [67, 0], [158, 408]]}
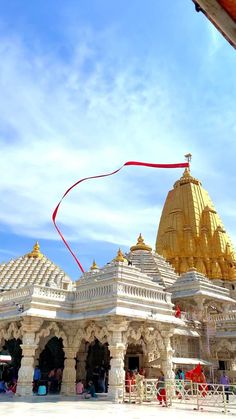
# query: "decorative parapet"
{"points": [[13, 295], [117, 288], [222, 317], [35, 290], [98, 291]]}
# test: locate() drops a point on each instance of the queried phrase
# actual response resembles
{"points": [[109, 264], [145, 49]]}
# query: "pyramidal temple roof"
{"points": [[193, 283], [151, 263], [191, 233], [32, 269]]}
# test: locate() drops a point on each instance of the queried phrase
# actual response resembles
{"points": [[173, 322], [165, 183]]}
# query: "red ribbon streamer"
{"points": [[128, 163]]}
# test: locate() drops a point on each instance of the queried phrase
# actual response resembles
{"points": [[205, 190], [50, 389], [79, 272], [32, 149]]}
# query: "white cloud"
{"points": [[59, 123], [63, 126]]}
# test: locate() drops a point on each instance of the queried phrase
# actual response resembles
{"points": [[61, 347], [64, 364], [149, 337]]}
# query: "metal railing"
{"points": [[197, 396]]}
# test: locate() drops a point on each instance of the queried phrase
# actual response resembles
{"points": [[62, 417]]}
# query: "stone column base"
{"points": [[115, 394], [24, 388]]}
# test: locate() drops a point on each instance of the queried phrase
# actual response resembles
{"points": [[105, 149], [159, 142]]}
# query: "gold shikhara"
{"points": [[191, 233]]}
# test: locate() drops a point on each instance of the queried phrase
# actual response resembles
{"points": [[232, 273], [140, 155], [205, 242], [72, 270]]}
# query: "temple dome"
{"points": [[34, 268], [191, 233], [150, 263]]}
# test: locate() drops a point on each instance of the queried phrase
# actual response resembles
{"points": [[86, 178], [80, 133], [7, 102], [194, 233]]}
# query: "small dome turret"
{"points": [[35, 252], [94, 266], [119, 257], [140, 245]]}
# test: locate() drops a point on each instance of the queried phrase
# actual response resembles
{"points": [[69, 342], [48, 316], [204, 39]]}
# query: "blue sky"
{"points": [[88, 85]]}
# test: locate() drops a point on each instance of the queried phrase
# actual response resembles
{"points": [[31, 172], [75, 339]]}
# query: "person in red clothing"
{"points": [[128, 381], [177, 311], [11, 387], [161, 391], [197, 376]]}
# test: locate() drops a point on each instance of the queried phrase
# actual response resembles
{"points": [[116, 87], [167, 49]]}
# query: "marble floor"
{"points": [[57, 407]]}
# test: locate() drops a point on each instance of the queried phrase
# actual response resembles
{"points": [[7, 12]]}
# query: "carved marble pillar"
{"points": [[146, 364], [166, 356], [69, 372], [117, 350], [152, 353], [26, 371], [81, 363]]}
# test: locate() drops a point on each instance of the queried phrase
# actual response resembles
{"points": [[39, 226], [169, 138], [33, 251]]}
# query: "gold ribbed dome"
{"points": [[191, 233], [35, 252], [140, 245]]}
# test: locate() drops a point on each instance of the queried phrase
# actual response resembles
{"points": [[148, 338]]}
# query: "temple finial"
{"points": [[140, 245], [35, 252], [94, 266], [119, 256], [188, 157]]}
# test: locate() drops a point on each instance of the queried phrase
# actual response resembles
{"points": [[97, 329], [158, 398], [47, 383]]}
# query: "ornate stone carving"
{"points": [[11, 331], [96, 331], [52, 329]]}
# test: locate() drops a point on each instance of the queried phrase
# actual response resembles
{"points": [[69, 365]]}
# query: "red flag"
{"points": [[128, 163]]}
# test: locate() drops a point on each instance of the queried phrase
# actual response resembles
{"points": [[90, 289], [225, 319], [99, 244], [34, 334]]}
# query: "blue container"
{"points": [[42, 390]]}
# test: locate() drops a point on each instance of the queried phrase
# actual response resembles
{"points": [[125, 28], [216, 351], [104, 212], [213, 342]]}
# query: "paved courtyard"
{"points": [[57, 407]]}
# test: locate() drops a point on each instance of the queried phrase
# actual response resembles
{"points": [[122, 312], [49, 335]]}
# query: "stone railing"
{"points": [[230, 316], [115, 289], [142, 293], [36, 291], [53, 294], [91, 293], [101, 291], [17, 294]]}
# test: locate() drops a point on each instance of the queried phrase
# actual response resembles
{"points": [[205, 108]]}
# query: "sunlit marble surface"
{"points": [[71, 408]]}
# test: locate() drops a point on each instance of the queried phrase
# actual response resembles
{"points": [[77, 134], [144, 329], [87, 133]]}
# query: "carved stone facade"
{"points": [[126, 312]]}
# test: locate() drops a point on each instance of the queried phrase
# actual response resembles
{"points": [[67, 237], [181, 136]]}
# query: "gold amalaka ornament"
{"points": [[35, 252], [140, 245]]}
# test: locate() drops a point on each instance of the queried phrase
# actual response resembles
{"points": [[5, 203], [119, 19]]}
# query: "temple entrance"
{"points": [[9, 371], [51, 364], [134, 357], [98, 365]]}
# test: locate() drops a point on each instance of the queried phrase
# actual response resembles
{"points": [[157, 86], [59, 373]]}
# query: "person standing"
{"points": [[139, 386], [161, 390], [36, 379], [224, 380]]}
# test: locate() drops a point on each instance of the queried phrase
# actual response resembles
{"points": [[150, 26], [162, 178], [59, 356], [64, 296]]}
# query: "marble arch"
{"points": [[11, 331]]}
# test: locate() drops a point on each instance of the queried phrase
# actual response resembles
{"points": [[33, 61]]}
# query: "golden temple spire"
{"points": [[140, 245], [120, 256], [94, 266], [191, 233], [35, 252]]}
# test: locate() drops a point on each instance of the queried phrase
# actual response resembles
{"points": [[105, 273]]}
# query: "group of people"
{"points": [[8, 388], [88, 391], [50, 383], [8, 380], [133, 378], [99, 378], [134, 381]]}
